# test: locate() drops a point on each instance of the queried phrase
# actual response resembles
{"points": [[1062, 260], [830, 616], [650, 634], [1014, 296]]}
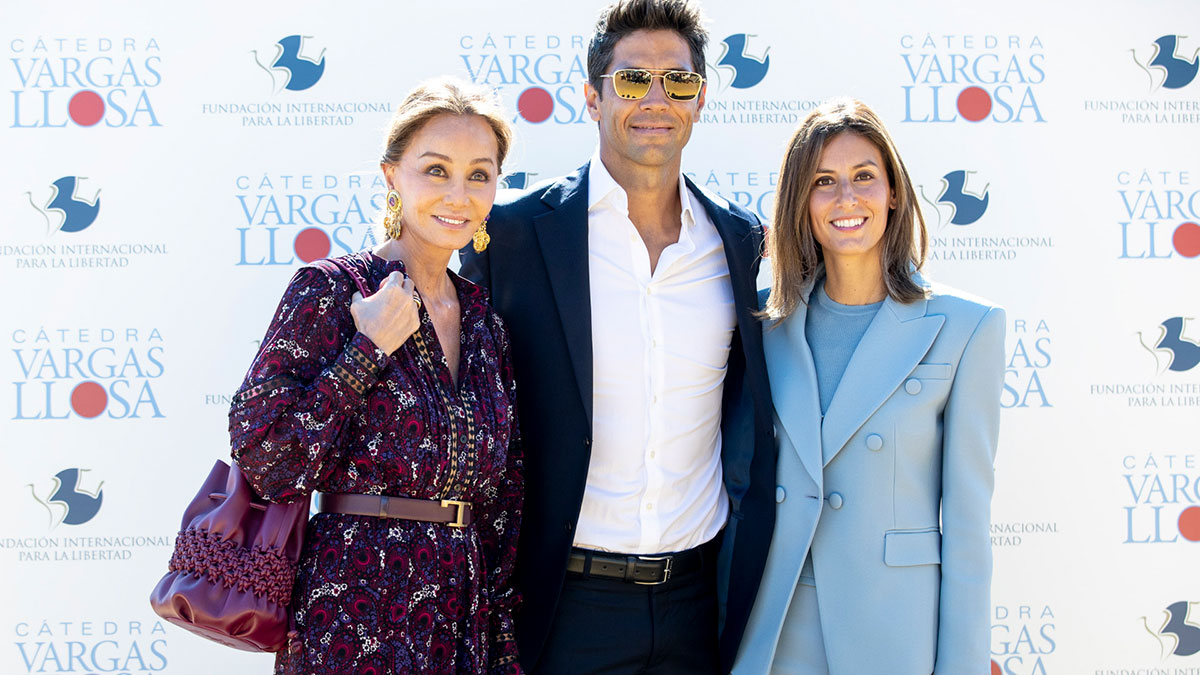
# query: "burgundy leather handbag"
{"points": [[234, 564]]}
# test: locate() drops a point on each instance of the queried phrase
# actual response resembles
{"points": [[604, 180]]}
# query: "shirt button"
{"points": [[653, 454], [649, 507], [654, 398]]}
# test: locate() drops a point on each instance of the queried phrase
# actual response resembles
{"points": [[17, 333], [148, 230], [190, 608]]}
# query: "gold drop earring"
{"points": [[391, 221], [481, 238]]}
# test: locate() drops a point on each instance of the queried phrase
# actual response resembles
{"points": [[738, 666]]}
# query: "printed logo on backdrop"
{"points": [[750, 188], [517, 180], [288, 68], [1167, 351], [67, 500], [1176, 629], [542, 74], [1161, 495], [967, 77], [287, 219], [734, 94], [1159, 217], [72, 499], [284, 92], [1030, 358], [66, 207], [1167, 66], [957, 207], [84, 81], [1023, 640], [86, 373], [97, 644]]}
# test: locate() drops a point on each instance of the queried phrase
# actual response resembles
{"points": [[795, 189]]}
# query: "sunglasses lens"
{"points": [[682, 86], [632, 83]]}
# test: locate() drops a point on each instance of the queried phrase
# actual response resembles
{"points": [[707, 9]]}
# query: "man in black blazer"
{"points": [[649, 467]]}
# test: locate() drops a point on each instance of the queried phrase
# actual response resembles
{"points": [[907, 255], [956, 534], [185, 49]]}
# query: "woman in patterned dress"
{"points": [[400, 403]]}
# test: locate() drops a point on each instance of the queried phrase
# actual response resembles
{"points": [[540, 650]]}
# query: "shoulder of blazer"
{"points": [[743, 217], [948, 301], [513, 207]]}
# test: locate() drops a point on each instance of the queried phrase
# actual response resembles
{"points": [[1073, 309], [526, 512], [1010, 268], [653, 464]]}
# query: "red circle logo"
{"points": [[312, 243], [996, 668], [535, 105], [1189, 523], [974, 104], [88, 399], [1187, 240], [86, 108]]}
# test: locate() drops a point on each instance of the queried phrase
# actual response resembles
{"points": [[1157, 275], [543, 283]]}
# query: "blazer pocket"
{"points": [[905, 548], [932, 371]]}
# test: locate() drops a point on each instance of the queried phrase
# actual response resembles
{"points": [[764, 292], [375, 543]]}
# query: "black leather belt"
{"points": [[646, 570]]}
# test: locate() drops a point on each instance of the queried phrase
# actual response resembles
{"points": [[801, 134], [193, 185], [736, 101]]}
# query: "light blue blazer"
{"points": [[891, 491]]}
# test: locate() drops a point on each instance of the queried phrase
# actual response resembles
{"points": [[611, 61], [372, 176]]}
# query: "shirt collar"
{"points": [[602, 186]]}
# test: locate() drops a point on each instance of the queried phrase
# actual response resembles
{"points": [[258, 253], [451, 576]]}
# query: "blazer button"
{"points": [[875, 442], [835, 501], [780, 494], [567, 527], [913, 386]]}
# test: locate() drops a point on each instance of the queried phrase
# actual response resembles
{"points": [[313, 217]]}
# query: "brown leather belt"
{"points": [[450, 511], [646, 570]]}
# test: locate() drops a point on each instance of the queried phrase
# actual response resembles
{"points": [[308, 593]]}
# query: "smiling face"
{"points": [[850, 200], [447, 178], [650, 131]]}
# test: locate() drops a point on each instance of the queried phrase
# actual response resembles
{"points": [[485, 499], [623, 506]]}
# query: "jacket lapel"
{"points": [[563, 237], [895, 341], [794, 388], [743, 264]]}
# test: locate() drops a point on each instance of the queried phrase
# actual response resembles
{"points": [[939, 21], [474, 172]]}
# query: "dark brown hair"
{"points": [[445, 96], [794, 251], [626, 16]]}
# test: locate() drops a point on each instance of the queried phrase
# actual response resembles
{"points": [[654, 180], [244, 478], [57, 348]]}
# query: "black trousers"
{"points": [[609, 626]]}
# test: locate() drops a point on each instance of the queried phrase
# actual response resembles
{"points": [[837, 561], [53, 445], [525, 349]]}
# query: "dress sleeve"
{"points": [[971, 428], [499, 526], [312, 372]]}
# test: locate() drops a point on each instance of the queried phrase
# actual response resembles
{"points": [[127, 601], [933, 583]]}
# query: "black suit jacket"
{"points": [[536, 268]]}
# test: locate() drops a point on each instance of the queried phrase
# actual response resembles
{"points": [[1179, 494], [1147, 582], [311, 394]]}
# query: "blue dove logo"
{"points": [[1177, 635], [1181, 353], [68, 502], [517, 180], [1166, 67], [748, 69], [299, 72], [966, 207], [70, 213]]}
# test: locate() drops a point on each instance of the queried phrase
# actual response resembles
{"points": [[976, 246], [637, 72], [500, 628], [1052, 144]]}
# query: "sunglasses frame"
{"points": [[653, 73]]}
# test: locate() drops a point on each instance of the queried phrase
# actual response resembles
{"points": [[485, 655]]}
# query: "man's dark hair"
{"points": [[626, 16]]}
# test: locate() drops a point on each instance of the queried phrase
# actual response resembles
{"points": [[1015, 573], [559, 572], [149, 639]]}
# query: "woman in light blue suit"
{"points": [[887, 406]]}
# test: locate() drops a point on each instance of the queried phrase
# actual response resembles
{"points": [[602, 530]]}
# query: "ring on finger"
{"points": [[416, 299]]}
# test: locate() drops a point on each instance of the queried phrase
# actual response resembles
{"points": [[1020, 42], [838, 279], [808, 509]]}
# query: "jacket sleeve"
{"points": [[971, 428], [311, 374], [499, 527]]}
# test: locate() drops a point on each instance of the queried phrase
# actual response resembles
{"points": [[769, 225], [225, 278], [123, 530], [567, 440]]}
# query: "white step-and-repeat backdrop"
{"points": [[167, 167]]}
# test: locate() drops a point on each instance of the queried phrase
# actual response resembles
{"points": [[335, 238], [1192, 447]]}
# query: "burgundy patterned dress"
{"points": [[323, 409]]}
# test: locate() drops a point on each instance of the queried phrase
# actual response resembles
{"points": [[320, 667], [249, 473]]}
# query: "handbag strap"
{"points": [[359, 280]]}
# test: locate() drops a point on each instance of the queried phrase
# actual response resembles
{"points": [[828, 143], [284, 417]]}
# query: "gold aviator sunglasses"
{"points": [[635, 83]]}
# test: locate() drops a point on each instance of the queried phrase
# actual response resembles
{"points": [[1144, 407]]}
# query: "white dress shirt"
{"points": [[660, 349]]}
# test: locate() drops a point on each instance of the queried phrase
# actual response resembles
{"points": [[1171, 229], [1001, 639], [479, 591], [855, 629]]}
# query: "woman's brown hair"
{"points": [[794, 252]]}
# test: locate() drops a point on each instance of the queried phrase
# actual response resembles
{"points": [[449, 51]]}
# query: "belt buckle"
{"points": [[666, 569], [459, 512]]}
